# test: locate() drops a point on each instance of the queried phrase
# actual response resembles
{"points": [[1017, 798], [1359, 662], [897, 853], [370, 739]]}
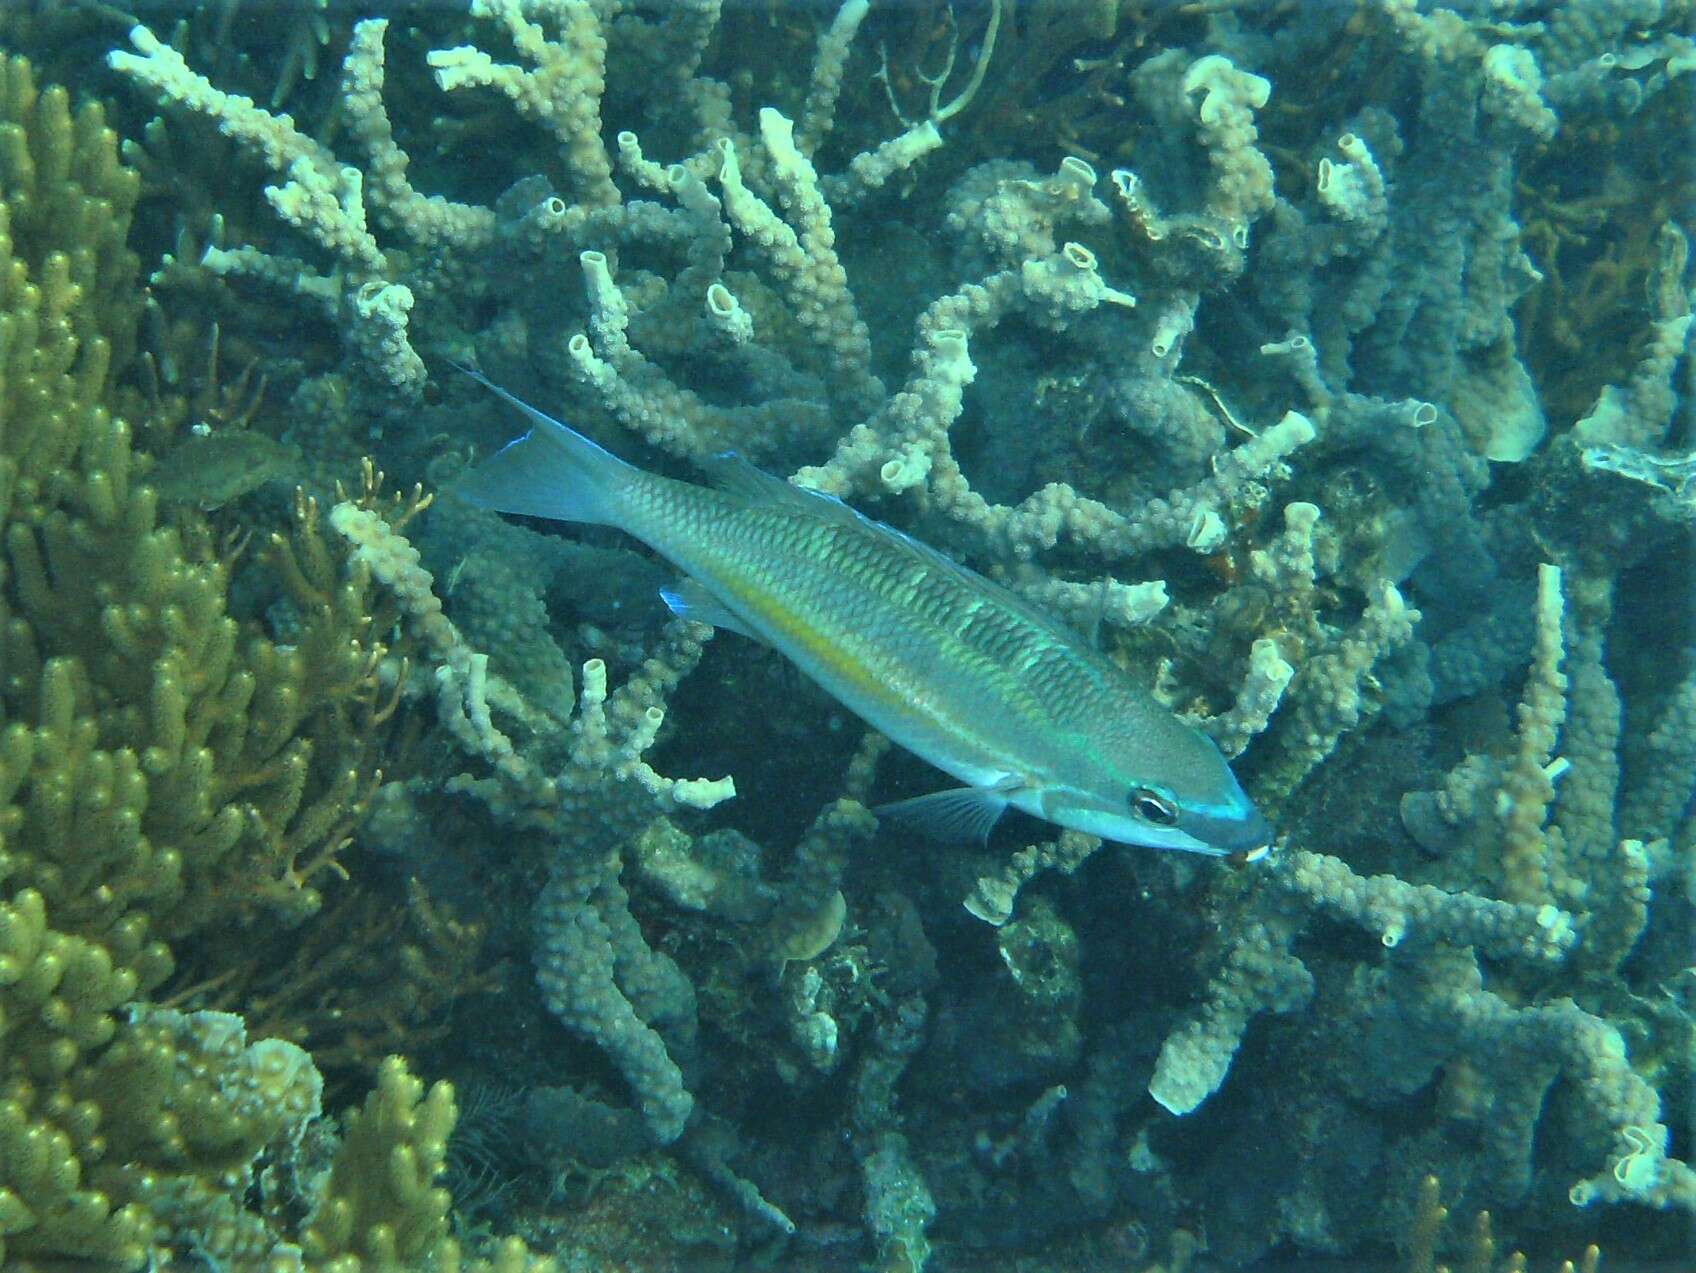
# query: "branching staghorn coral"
{"points": [[584, 943], [1459, 1015]]}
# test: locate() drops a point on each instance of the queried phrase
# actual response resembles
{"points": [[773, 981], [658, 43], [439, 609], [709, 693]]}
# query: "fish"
{"points": [[1017, 706], [210, 470]]}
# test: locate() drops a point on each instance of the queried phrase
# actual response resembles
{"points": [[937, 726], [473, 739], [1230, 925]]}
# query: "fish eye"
{"points": [[1153, 807]]}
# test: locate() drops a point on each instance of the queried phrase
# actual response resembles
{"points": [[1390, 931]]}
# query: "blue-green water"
{"points": [[1326, 366]]}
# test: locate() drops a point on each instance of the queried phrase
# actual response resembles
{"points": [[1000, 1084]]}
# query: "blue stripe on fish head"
{"points": [[1196, 805], [1211, 806], [1232, 828]]}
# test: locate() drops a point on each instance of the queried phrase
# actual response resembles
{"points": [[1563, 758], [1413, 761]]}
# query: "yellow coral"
{"points": [[162, 767], [56, 997], [1425, 1235], [384, 1210]]}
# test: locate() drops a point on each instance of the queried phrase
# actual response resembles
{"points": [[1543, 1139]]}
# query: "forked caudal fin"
{"points": [[551, 471]]}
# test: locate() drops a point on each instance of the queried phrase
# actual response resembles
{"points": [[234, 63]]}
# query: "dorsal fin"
{"points": [[730, 472], [1100, 614]]}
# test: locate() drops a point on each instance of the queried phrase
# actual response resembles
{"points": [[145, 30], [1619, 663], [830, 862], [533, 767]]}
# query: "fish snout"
{"points": [[1249, 838]]}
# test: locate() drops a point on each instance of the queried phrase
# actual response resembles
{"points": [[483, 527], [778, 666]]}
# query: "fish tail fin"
{"points": [[551, 472]]}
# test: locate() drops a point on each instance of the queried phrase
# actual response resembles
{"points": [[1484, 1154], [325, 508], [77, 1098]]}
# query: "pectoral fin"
{"points": [[962, 815], [689, 600]]}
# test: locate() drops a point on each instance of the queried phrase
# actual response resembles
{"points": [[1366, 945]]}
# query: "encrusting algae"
{"points": [[164, 769]]}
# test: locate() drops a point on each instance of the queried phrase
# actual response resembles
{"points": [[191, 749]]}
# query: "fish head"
{"points": [[1187, 799]]}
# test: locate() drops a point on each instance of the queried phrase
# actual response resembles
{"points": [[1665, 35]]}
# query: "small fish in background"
{"points": [[944, 662], [209, 470]]}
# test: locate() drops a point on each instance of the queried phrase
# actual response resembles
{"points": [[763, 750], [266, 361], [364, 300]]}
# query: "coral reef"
{"points": [[166, 771], [1329, 364]]}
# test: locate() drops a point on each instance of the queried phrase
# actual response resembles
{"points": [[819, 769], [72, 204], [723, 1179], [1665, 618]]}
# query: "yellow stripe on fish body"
{"points": [[791, 629], [900, 634], [943, 661], [808, 587]]}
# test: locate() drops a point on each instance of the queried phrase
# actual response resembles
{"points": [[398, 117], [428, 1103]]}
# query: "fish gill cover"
{"points": [[1327, 365]]}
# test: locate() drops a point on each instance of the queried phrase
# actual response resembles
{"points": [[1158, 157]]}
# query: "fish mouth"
{"points": [[1245, 839]]}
